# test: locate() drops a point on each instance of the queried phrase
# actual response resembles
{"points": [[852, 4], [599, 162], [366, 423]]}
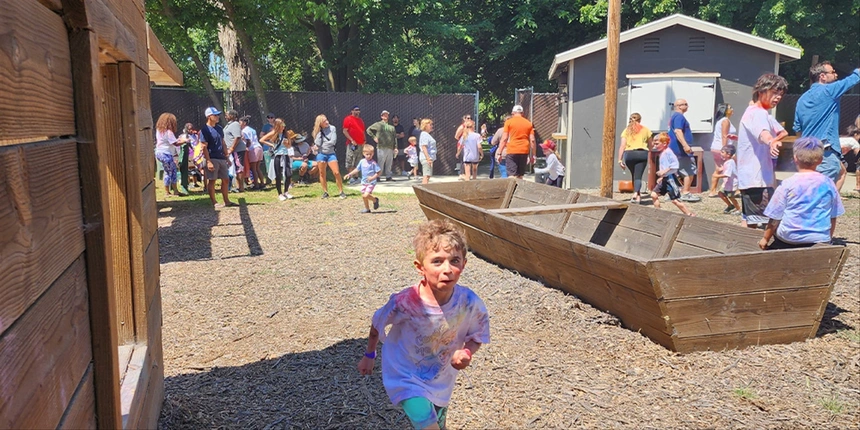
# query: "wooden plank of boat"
{"points": [[552, 209]]}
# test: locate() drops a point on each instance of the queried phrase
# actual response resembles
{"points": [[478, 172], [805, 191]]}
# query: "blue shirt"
{"points": [[679, 122], [214, 137], [804, 204], [817, 111], [367, 170]]}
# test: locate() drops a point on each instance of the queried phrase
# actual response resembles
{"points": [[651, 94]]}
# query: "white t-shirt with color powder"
{"points": [[471, 147], [668, 160], [416, 353], [731, 172], [755, 168], [804, 204]]}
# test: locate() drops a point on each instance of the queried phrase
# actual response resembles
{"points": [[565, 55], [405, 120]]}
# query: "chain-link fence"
{"points": [[541, 109], [299, 110]]}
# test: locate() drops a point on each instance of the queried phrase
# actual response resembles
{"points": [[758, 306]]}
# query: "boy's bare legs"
{"points": [[210, 187], [680, 205], [726, 199], [735, 203], [656, 199], [225, 192]]}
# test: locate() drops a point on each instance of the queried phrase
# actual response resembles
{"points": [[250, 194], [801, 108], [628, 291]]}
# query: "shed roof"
{"points": [[162, 69], [790, 52]]}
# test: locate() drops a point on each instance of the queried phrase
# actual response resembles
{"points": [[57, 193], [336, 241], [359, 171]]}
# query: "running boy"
{"points": [[412, 156], [667, 181], [369, 171], [436, 326], [729, 172], [804, 207]]}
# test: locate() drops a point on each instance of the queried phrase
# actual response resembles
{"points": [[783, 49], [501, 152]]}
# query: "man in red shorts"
{"points": [[519, 140]]}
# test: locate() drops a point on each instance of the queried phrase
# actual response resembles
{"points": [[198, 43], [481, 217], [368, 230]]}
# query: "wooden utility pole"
{"points": [[610, 96]]}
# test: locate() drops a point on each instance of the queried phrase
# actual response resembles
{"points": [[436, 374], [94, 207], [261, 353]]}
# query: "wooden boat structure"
{"points": [[689, 284]]}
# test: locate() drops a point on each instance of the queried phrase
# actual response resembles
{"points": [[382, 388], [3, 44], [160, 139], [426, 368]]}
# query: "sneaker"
{"points": [[409, 176], [343, 195], [376, 204], [353, 181], [735, 212], [690, 198], [388, 179], [365, 211], [282, 197], [325, 195], [728, 210], [289, 196]]}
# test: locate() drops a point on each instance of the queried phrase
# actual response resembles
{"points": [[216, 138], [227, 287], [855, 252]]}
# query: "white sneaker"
{"points": [[289, 196], [282, 197]]}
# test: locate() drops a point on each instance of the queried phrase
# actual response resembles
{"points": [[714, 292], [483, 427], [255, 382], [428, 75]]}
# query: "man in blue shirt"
{"points": [[817, 113], [680, 138]]}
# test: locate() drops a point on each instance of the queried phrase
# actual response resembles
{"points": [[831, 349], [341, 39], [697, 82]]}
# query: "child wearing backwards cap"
{"points": [[436, 326], [554, 168], [729, 173], [804, 207]]}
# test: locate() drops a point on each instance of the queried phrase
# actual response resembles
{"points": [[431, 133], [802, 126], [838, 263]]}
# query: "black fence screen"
{"points": [[299, 110], [542, 110]]}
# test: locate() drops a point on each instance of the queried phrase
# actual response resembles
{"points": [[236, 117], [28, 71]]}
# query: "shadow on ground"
{"points": [[307, 390], [189, 235]]}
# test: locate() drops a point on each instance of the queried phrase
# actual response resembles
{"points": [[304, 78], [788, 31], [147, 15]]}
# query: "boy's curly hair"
{"points": [[436, 234]]}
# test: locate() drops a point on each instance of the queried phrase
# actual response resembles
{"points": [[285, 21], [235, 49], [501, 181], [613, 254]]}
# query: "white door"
{"points": [[700, 95], [651, 98]]}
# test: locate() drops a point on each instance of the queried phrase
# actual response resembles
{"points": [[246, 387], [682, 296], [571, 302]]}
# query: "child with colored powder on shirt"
{"points": [[805, 206], [729, 173], [412, 156], [369, 171], [667, 181], [436, 327]]}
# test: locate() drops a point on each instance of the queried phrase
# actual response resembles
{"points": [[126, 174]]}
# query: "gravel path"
{"points": [[267, 307]]}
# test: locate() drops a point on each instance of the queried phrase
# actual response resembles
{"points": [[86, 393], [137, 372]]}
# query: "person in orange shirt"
{"points": [[519, 141]]}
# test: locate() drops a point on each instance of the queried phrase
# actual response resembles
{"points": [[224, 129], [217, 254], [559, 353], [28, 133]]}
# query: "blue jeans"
{"points": [[493, 163]]}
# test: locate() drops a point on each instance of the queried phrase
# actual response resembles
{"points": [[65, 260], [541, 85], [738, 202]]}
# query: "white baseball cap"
{"points": [[517, 109], [212, 111]]}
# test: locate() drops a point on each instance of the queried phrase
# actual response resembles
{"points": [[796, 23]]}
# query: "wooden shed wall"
{"points": [[78, 246]]}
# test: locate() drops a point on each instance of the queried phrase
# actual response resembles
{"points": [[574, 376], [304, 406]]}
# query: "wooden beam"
{"points": [[53, 5], [81, 413], [45, 354], [114, 38], [160, 59], [40, 217], [554, 209], [95, 175], [610, 97], [35, 74], [668, 238]]}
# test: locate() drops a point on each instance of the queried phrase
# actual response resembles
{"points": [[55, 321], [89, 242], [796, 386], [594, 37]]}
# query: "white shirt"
{"points": [[553, 167], [164, 142], [755, 167], [717, 143]]}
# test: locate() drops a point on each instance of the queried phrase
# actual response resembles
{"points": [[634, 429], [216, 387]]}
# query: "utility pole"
{"points": [[610, 94]]}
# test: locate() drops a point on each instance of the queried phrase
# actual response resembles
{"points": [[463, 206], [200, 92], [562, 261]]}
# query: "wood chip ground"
{"points": [[267, 308]]}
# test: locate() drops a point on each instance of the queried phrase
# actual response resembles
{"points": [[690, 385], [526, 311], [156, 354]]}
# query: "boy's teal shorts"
{"points": [[422, 413]]}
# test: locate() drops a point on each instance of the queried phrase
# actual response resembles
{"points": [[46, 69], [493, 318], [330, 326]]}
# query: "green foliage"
{"points": [[402, 46]]}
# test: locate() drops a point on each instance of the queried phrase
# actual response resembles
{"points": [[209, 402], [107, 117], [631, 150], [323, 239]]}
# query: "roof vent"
{"points": [[696, 44], [651, 44]]}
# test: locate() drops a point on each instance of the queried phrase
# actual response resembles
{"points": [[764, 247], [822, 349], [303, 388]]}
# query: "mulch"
{"points": [[266, 309]]}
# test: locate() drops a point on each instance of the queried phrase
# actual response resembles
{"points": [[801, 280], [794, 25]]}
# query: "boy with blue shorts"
{"points": [[805, 206], [436, 326]]}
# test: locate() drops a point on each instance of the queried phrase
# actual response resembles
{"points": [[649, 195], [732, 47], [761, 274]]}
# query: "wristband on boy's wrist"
{"points": [[370, 355]]}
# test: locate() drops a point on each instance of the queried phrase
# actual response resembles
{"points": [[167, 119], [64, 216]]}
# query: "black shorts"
{"points": [[516, 164], [669, 185], [754, 201], [779, 244]]}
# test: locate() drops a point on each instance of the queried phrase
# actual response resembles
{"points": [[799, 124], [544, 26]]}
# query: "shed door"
{"points": [[699, 93], [653, 97]]}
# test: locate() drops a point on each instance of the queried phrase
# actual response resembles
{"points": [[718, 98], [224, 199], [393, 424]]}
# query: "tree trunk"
{"points": [[340, 72], [248, 55], [188, 44], [236, 67]]}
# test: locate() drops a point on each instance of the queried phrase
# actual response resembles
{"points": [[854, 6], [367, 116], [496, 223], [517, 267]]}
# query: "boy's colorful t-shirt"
{"points": [[416, 354], [755, 168], [730, 170], [411, 154], [804, 204], [367, 170], [668, 160]]}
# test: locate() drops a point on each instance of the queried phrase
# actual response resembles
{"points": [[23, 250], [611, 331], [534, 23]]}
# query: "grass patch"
{"points": [[832, 404], [852, 335], [745, 393]]}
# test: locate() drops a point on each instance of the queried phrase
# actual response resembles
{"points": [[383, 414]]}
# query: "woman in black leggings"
{"points": [[633, 153]]}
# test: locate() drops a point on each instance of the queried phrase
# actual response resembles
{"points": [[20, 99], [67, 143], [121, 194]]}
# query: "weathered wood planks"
{"points": [[36, 102], [40, 217], [555, 209], [81, 411], [45, 354], [616, 260]]}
